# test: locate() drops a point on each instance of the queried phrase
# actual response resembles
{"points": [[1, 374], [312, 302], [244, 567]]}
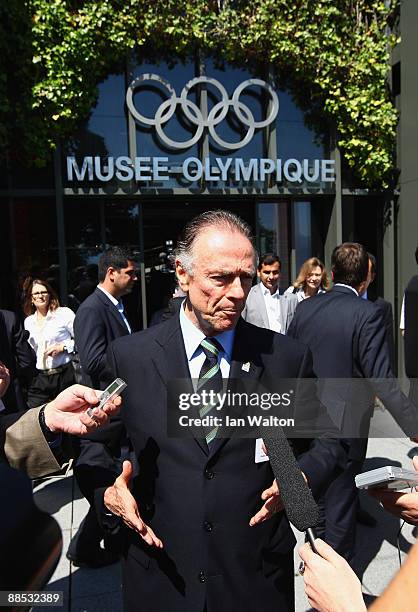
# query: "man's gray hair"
{"points": [[221, 219]]}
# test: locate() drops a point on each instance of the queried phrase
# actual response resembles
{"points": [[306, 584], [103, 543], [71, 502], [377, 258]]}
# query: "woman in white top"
{"points": [[51, 336], [312, 279]]}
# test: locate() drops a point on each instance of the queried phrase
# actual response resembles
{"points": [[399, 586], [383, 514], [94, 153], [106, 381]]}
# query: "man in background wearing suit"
{"points": [[99, 320], [347, 337], [410, 327], [386, 309], [202, 495], [18, 356], [265, 307]]}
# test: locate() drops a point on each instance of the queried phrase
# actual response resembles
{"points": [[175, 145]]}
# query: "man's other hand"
{"points": [[119, 500], [4, 379], [272, 504], [67, 412], [402, 505]]}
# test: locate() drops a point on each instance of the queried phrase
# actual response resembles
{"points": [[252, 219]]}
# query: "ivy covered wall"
{"points": [[333, 55]]}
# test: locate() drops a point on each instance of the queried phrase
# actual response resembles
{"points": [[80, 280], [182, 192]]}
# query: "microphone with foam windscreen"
{"points": [[300, 506]]}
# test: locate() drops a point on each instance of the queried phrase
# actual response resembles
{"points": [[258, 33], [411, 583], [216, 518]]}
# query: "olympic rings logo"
{"points": [[194, 114]]}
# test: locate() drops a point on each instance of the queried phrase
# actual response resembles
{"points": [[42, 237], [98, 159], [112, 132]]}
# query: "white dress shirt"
{"points": [[402, 318], [300, 294], [192, 337], [55, 328], [348, 287], [119, 306], [272, 302]]}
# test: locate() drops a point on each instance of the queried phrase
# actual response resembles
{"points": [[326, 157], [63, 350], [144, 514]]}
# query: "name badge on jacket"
{"points": [[260, 455]]}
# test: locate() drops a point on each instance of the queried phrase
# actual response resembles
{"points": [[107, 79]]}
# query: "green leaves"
{"points": [[55, 52]]}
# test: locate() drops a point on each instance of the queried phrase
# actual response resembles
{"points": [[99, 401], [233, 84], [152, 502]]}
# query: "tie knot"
{"points": [[211, 348]]}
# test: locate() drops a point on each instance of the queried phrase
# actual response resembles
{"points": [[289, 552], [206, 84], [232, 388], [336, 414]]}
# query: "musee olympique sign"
{"points": [[157, 169]]}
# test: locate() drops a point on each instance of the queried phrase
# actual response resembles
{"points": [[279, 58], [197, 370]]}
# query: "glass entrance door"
{"points": [[149, 228], [91, 226]]}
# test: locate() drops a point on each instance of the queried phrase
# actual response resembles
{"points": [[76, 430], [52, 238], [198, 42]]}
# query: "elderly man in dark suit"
{"points": [[347, 337], [202, 497], [18, 356], [99, 320]]}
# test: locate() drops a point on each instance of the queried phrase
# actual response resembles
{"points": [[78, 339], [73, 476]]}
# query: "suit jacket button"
{"points": [[207, 526], [202, 577], [209, 474]]}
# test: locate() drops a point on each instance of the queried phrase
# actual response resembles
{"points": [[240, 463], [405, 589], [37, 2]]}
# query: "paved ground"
{"points": [[100, 590]]}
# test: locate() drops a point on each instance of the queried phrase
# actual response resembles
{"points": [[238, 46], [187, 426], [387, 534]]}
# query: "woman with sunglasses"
{"points": [[51, 335]]}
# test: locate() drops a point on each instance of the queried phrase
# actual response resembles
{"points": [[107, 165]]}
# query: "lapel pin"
{"points": [[246, 366]]}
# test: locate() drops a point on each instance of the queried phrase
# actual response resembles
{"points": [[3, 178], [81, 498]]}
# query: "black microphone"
{"points": [[300, 506]]}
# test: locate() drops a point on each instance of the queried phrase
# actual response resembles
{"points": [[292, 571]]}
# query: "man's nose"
{"points": [[236, 290]]}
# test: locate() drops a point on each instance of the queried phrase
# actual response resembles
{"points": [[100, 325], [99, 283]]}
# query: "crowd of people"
{"points": [[186, 515]]}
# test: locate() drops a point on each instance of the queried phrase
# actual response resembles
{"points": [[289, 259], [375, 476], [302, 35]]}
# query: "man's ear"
{"points": [[258, 273], [183, 277], [110, 273]]}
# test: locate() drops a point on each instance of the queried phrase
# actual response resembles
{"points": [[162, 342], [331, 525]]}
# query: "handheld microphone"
{"points": [[300, 506]]}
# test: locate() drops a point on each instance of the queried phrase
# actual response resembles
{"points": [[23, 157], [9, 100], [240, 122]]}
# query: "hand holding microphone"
{"points": [[330, 583]]}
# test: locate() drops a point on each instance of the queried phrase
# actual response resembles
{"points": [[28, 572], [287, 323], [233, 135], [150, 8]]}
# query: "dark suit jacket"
{"points": [[385, 308], [347, 337], [199, 501], [17, 354], [96, 324], [411, 328]]}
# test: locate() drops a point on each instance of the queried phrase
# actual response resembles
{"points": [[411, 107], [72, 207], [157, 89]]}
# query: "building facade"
{"points": [[165, 141]]}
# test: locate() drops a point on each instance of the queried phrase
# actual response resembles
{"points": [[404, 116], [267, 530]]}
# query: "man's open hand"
{"points": [[272, 504], [119, 500], [4, 379]]}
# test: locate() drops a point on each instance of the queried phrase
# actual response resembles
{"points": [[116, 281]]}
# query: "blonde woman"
{"points": [[51, 335], [312, 279]]}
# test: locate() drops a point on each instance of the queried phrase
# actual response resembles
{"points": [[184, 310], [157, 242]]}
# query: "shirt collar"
{"points": [[266, 291], [348, 287], [111, 298], [192, 337]]}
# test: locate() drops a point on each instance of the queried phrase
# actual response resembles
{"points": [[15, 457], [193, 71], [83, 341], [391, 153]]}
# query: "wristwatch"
{"points": [[50, 436]]}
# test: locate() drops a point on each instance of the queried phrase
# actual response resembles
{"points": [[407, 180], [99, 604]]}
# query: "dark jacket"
{"points": [[199, 501], [18, 356]]}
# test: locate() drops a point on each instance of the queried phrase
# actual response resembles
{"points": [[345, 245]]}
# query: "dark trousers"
{"points": [[338, 511], [93, 469], [45, 387]]}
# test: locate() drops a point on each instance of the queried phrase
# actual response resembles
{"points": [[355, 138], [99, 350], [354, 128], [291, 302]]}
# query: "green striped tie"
{"points": [[210, 379]]}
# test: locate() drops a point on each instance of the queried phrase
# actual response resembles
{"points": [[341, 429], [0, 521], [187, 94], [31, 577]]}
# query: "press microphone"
{"points": [[300, 506]]}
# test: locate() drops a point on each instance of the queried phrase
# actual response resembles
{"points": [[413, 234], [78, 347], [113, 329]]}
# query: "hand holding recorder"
{"points": [[401, 504], [79, 410]]}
